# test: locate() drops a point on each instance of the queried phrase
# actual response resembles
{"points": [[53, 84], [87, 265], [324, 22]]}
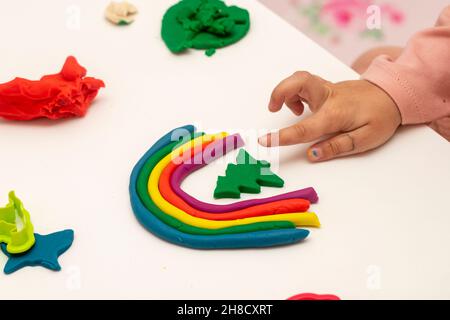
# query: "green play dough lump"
{"points": [[210, 52], [203, 24]]}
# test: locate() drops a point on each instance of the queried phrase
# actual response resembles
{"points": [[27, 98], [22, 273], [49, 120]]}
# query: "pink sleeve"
{"points": [[419, 80]]}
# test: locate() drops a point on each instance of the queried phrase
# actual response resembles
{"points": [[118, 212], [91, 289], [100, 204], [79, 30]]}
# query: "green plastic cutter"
{"points": [[18, 241]]}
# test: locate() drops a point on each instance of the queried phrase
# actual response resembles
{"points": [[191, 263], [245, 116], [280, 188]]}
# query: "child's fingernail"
{"points": [[315, 153], [263, 141]]}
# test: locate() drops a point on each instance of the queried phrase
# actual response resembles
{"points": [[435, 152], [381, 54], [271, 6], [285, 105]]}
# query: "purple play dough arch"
{"points": [[213, 151]]}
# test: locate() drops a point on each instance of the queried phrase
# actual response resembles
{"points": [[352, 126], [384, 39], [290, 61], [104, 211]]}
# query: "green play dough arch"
{"points": [[203, 24], [142, 190]]}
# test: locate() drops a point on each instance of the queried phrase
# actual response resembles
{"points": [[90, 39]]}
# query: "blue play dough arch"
{"points": [[255, 239]]}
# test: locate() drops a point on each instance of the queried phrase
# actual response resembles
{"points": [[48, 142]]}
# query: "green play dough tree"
{"points": [[203, 24], [247, 176]]}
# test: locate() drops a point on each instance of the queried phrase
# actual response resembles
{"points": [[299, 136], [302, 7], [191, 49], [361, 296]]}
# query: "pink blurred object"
{"points": [[344, 12], [340, 26], [395, 15]]}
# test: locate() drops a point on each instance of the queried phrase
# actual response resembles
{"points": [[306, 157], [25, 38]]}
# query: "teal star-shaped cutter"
{"points": [[45, 252]]}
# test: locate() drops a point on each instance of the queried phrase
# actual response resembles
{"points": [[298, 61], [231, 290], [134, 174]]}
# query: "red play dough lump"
{"points": [[65, 94], [313, 296]]}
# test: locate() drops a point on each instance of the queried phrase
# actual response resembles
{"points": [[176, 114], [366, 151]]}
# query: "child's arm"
{"points": [[419, 80], [362, 115]]}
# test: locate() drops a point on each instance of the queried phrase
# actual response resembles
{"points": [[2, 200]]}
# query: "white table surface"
{"points": [[385, 215]]}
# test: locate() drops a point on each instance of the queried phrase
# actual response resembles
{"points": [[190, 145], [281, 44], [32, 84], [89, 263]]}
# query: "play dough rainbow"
{"points": [[160, 208]]}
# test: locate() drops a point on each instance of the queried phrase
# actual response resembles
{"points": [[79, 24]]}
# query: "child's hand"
{"points": [[358, 115]]}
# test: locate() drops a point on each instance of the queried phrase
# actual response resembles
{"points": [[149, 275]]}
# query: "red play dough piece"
{"points": [[277, 207], [65, 94], [313, 296]]}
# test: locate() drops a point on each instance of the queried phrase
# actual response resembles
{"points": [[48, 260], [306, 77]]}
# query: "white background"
{"points": [[385, 215]]}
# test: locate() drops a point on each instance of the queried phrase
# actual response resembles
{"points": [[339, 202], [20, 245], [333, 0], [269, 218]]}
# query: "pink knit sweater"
{"points": [[419, 80]]}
